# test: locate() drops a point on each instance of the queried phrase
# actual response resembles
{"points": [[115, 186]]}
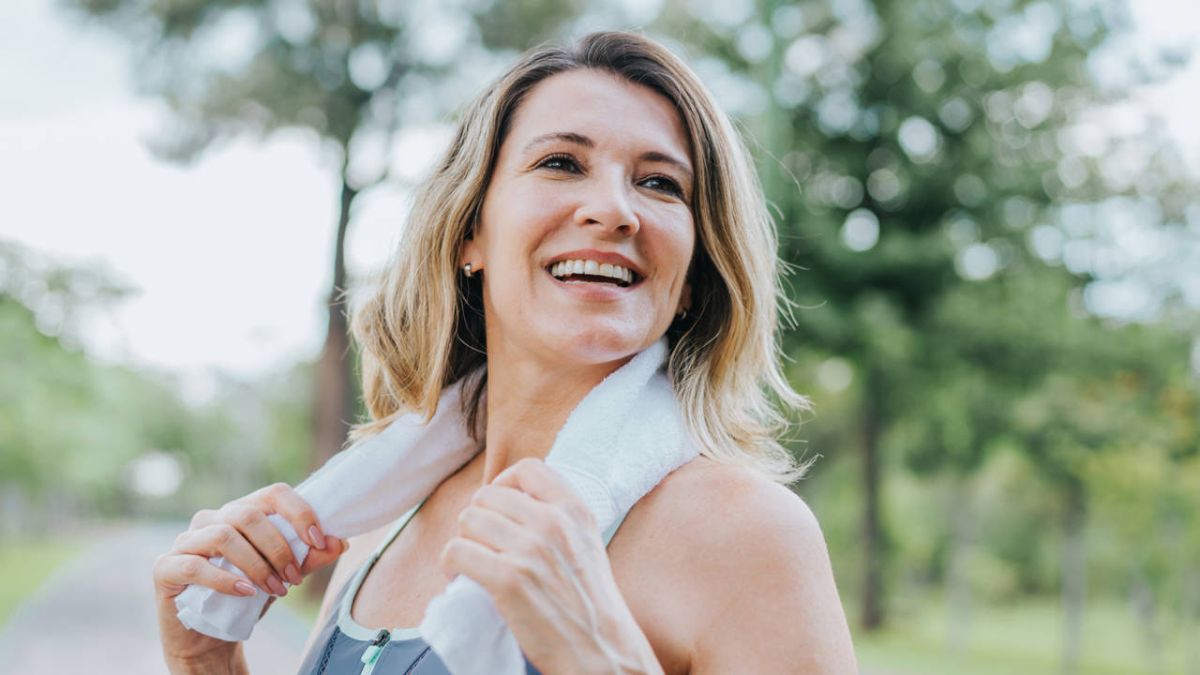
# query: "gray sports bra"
{"points": [[345, 647]]}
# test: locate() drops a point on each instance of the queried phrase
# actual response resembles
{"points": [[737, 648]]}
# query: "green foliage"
{"points": [[71, 428], [295, 70], [935, 199], [27, 562]]}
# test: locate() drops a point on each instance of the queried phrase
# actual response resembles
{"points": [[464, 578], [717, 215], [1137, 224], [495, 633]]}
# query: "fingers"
{"points": [[284, 500], [473, 560], [241, 533], [537, 479], [252, 523], [318, 558], [189, 562], [509, 501], [494, 530], [178, 571], [203, 517], [222, 539], [545, 484]]}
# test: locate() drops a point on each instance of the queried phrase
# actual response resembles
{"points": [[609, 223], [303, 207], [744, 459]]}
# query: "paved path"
{"points": [[96, 615]]}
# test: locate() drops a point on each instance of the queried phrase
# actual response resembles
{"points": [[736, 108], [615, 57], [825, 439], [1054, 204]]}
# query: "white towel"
{"points": [[623, 438]]}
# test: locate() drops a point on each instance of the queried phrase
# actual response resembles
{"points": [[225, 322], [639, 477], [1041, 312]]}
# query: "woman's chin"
{"points": [[595, 347]]}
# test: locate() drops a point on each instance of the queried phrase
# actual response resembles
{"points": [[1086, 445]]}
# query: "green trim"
{"points": [[346, 623]]}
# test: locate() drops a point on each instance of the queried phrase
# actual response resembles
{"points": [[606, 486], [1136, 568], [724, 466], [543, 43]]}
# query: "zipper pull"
{"points": [[371, 655]]}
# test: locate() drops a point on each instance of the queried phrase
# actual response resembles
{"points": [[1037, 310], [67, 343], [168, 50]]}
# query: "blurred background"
{"points": [[990, 208]]}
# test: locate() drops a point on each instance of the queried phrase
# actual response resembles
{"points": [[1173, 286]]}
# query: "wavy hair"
{"points": [[421, 327]]}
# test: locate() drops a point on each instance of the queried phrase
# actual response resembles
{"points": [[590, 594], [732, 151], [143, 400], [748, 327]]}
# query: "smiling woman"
{"points": [[594, 203]]}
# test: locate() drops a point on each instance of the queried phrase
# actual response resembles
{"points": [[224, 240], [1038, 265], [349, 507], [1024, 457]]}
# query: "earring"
{"points": [[682, 314], [467, 270]]}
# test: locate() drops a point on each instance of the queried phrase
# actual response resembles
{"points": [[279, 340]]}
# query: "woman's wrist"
{"points": [[625, 649], [223, 662]]}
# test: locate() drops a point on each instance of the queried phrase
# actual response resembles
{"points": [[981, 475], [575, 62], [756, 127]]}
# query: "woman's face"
{"points": [[594, 170]]}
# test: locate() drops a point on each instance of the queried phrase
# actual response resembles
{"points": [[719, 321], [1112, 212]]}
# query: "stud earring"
{"points": [[467, 270], [682, 314]]}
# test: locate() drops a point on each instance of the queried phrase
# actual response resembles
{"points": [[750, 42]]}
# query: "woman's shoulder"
{"points": [[708, 524], [757, 551], [711, 502]]}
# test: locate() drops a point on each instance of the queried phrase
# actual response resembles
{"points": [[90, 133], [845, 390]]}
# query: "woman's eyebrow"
{"points": [[581, 140]]}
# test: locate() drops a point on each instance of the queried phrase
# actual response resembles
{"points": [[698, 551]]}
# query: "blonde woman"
{"points": [[612, 153]]}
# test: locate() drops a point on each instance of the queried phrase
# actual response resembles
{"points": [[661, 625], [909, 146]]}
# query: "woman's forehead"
{"points": [[601, 107]]}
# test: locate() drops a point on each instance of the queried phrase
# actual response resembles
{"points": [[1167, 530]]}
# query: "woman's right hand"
{"points": [[241, 533]]}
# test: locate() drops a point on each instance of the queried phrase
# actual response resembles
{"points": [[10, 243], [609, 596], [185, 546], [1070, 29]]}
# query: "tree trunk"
{"points": [[958, 580], [333, 403], [1191, 620], [872, 610], [1145, 610], [1074, 576]]}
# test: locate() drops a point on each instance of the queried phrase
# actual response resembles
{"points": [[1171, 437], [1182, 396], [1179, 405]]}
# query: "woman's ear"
{"points": [[685, 298], [470, 254]]}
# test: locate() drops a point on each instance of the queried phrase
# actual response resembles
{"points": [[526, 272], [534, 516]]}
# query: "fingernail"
{"points": [[292, 574], [276, 585], [315, 536], [245, 587]]}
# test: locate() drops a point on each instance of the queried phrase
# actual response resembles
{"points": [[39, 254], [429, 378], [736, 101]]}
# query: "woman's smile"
{"points": [[593, 275]]}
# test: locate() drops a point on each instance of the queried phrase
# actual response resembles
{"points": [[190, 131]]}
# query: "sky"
{"points": [[230, 256]]}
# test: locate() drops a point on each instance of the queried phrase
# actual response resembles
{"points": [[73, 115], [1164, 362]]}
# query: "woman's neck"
{"points": [[528, 402]]}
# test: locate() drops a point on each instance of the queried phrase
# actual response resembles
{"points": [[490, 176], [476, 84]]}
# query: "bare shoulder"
{"points": [[770, 603], [714, 505]]}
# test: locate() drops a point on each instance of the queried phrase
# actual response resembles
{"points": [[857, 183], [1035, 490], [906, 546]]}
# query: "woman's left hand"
{"points": [[535, 547]]}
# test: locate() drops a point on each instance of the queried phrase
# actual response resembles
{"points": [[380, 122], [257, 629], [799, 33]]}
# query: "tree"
{"points": [[912, 148], [347, 71]]}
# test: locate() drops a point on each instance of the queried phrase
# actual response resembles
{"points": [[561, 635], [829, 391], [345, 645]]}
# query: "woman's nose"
{"points": [[607, 202]]}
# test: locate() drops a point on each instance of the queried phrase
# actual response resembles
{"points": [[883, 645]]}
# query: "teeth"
{"points": [[569, 267]]}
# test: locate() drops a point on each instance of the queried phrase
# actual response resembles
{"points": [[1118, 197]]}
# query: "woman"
{"points": [[611, 154]]}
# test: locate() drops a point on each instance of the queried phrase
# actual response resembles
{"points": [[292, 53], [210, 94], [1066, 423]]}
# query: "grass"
{"points": [[25, 562], [1020, 638]]}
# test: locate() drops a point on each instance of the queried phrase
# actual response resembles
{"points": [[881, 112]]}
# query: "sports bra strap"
{"points": [[403, 520], [399, 525]]}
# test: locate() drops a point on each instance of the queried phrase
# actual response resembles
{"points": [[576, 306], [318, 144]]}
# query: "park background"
{"points": [[989, 208]]}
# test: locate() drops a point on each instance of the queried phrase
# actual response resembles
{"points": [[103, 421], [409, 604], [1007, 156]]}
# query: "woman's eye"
{"points": [[559, 163], [663, 184], [568, 164]]}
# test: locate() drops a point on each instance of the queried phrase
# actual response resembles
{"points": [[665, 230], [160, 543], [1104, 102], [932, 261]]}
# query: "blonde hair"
{"points": [[421, 328]]}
